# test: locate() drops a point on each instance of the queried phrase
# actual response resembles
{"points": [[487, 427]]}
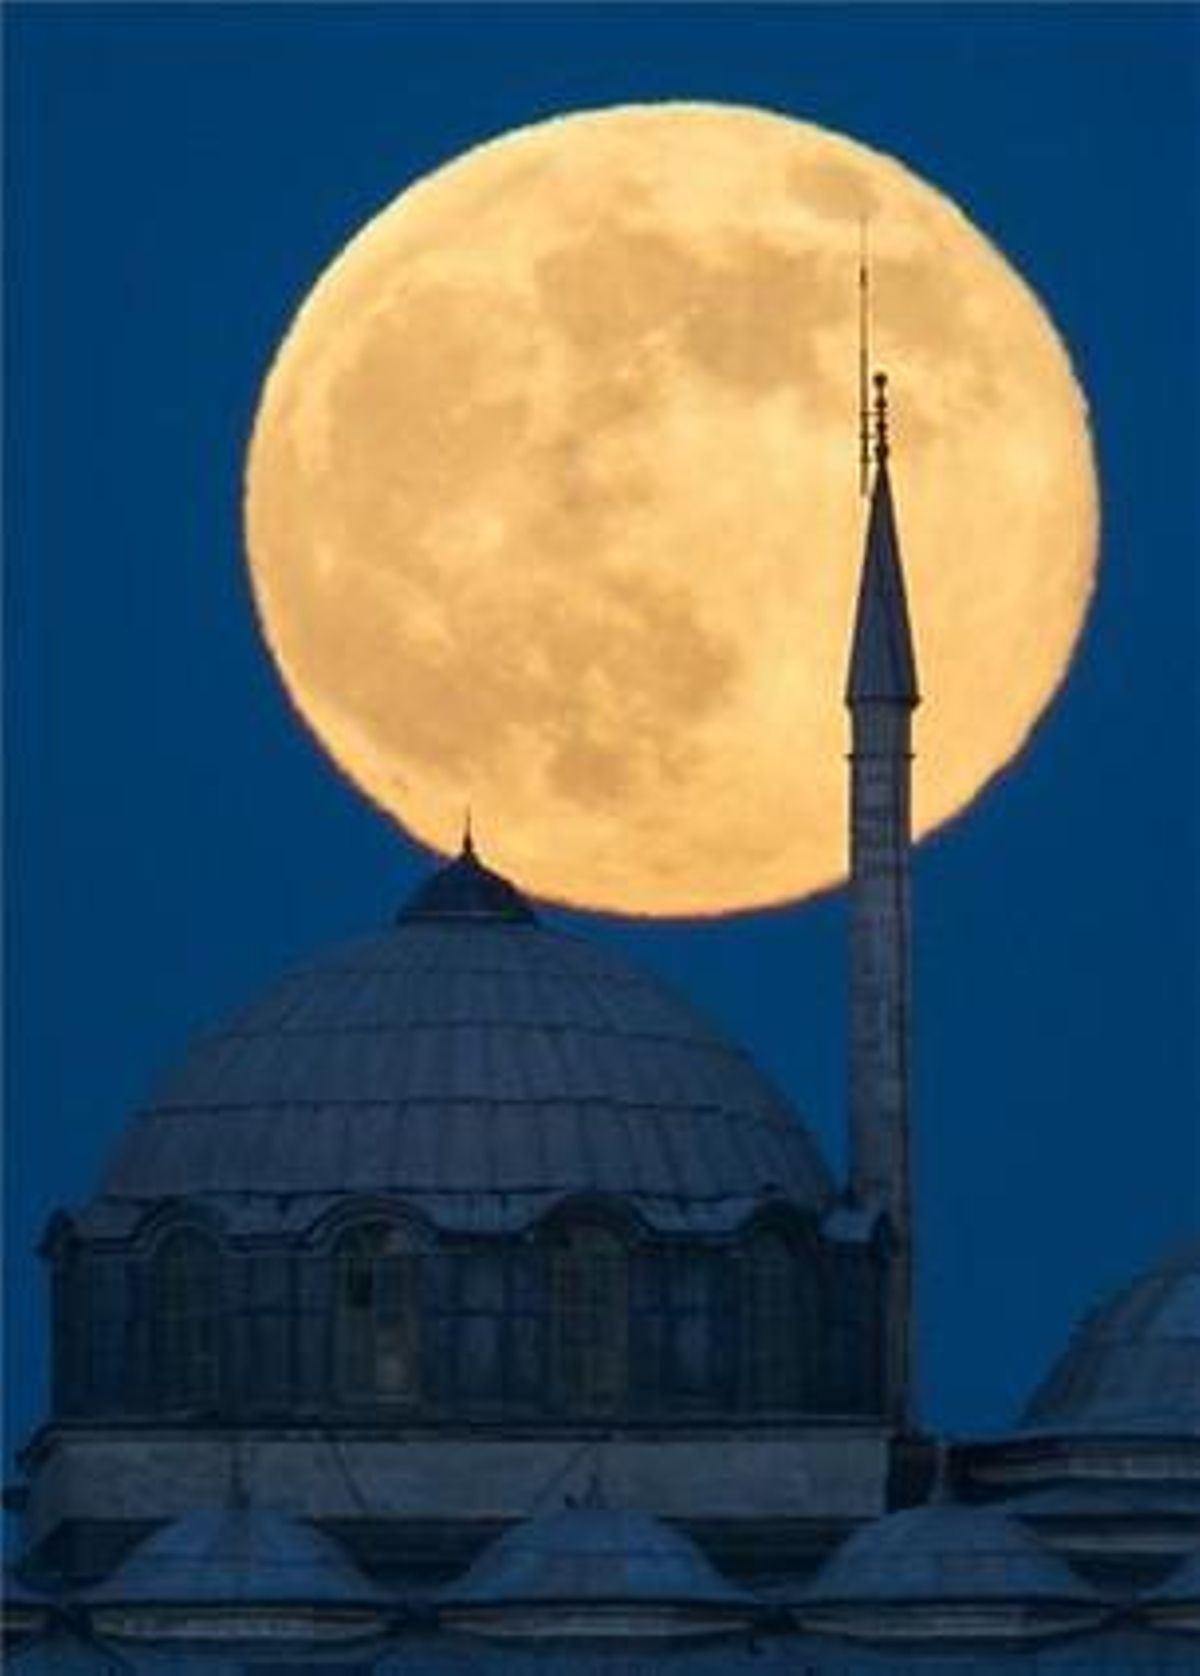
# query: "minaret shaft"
{"points": [[881, 1008], [882, 693]]}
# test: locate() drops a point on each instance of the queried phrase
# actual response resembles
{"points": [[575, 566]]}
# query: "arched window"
{"points": [[591, 1320], [377, 1334], [772, 1327], [187, 1313]]}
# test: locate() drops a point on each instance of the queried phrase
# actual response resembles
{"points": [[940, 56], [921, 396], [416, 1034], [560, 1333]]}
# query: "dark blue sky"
{"points": [[176, 177]]}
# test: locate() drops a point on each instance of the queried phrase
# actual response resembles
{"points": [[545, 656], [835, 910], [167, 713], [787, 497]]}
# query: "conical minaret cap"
{"points": [[883, 665]]}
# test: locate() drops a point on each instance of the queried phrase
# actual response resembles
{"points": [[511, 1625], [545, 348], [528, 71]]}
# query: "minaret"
{"points": [[881, 693]]}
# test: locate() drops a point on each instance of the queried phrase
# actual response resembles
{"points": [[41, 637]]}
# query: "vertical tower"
{"points": [[881, 693]]}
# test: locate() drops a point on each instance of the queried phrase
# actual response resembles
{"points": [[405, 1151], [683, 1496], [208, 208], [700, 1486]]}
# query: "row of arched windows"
{"points": [[377, 1315], [583, 1324]]}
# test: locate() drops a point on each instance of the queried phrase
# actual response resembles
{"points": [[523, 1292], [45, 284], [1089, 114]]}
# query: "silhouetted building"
{"points": [[469, 1302]]}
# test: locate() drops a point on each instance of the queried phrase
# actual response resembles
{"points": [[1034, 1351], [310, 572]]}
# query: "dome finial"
{"points": [[467, 889]]}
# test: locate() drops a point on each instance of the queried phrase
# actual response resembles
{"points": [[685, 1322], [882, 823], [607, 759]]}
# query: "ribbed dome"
{"points": [[237, 1556], [947, 1571], [1133, 1365], [481, 1066], [1180, 1589], [594, 1573], [597, 1554], [945, 1552]]}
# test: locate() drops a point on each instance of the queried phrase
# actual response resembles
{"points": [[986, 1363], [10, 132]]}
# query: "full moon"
{"points": [[553, 505]]}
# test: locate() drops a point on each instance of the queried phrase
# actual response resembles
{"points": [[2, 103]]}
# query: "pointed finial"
{"points": [[468, 840], [864, 359], [881, 418]]}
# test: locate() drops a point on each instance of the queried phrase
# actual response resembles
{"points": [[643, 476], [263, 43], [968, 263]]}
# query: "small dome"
{"points": [[1133, 1365], [585, 1570], [1183, 1584], [482, 1067], [947, 1570], [24, 1610], [237, 1556], [596, 1554], [14, 1591], [1176, 1600]]}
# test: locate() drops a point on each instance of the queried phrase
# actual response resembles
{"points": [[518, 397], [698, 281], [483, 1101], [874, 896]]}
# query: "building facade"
{"points": [[469, 1301]]}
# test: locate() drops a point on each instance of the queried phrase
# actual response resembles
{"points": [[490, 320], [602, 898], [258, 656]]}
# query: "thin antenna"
{"points": [[864, 359], [468, 839]]}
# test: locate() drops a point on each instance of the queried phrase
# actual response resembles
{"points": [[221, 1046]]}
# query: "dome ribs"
{"points": [[443, 1061]]}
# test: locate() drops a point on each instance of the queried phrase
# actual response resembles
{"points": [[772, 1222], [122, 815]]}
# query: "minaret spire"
{"points": [[883, 666], [882, 693], [864, 360]]}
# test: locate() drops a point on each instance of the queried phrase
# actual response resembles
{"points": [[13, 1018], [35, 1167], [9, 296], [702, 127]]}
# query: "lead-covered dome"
{"points": [[238, 1555], [238, 1573], [1133, 1365], [945, 1570], [480, 1065], [594, 1570], [1176, 1601]]}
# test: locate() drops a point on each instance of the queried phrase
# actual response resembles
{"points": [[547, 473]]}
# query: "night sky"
{"points": [[176, 178]]}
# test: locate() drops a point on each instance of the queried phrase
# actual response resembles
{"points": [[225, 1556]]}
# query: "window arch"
{"points": [[590, 1289], [772, 1327], [187, 1314], [376, 1320]]}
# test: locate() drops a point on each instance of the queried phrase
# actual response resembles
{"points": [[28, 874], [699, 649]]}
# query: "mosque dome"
{"points": [[1176, 1601], [947, 1569], [235, 1563], [592, 1570], [1133, 1364], [472, 1171], [484, 1067], [24, 1610]]}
